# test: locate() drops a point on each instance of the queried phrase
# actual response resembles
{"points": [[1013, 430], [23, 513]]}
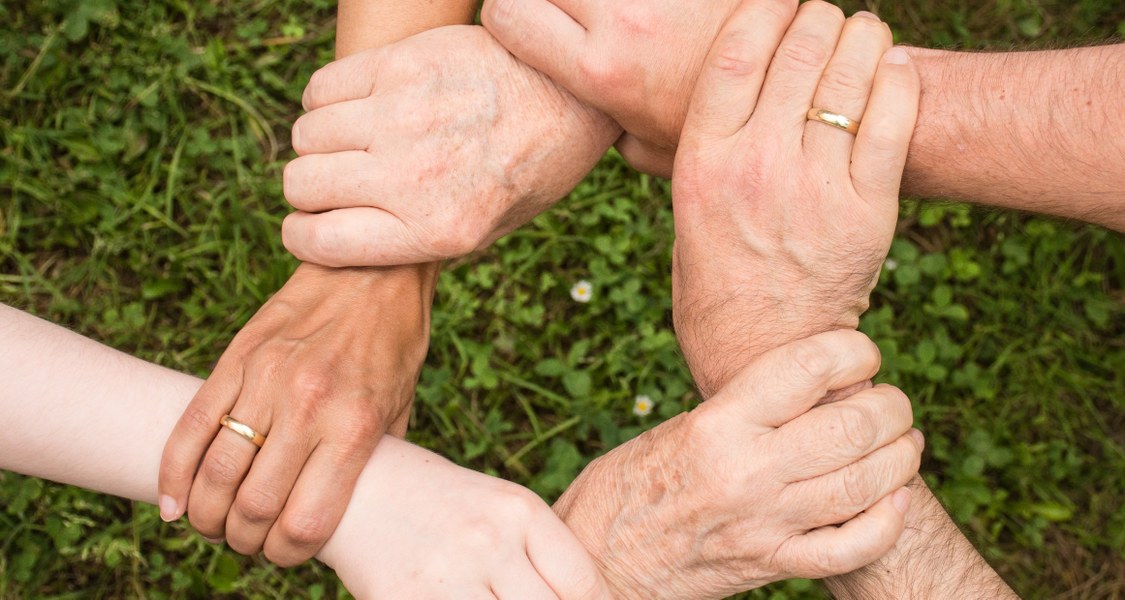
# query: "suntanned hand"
{"points": [[326, 366], [431, 148], [752, 486]]}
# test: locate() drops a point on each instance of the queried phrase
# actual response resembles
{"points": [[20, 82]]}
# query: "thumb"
{"points": [[786, 382]]}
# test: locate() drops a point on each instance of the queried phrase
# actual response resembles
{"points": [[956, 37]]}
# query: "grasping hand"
{"points": [[750, 486], [322, 372], [431, 148], [636, 60], [783, 223]]}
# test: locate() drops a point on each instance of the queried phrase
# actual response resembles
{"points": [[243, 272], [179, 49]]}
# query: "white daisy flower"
{"points": [[642, 406], [582, 291], [890, 265]]}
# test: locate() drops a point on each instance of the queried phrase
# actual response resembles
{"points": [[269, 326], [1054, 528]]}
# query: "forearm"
{"points": [[932, 559], [80, 413], [1035, 131], [365, 24]]}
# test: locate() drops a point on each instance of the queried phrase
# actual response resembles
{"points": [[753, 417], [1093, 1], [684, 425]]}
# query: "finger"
{"points": [[355, 237], [520, 581], [193, 434], [797, 68], [540, 34], [320, 182], [846, 492], [645, 157], [563, 562], [728, 87], [318, 499], [834, 435], [224, 467], [263, 494], [349, 78], [335, 128], [835, 550], [787, 381], [846, 85], [879, 156]]}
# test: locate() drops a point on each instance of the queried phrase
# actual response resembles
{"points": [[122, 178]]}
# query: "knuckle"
{"points": [[222, 468], [305, 529], [899, 403], [198, 421], [884, 142], [258, 506], [635, 19], [603, 74], [313, 387], [825, 559], [499, 14], [736, 55], [846, 81], [804, 52], [456, 240], [811, 359], [857, 428], [857, 488]]}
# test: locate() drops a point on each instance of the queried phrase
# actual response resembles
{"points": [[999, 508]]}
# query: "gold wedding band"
{"points": [[243, 429], [834, 119]]}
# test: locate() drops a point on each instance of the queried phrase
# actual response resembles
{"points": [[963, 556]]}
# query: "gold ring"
{"points": [[834, 119], [243, 429]]}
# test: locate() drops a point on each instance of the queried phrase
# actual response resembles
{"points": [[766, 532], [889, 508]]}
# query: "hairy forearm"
{"points": [[1036, 131], [932, 559]]}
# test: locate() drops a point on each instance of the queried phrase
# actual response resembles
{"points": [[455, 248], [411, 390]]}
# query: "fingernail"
{"points": [[169, 508], [901, 500], [918, 438], [863, 14], [896, 56], [212, 540]]}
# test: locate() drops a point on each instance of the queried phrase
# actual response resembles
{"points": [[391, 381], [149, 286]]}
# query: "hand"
{"points": [[421, 527], [750, 486], [635, 60], [783, 223], [431, 148], [322, 370]]}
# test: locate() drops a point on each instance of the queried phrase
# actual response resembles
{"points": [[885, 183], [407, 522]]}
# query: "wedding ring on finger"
{"points": [[243, 430], [833, 119]]}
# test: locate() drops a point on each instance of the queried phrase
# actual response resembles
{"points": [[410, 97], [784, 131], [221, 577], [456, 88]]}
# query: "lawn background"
{"points": [[141, 149]]}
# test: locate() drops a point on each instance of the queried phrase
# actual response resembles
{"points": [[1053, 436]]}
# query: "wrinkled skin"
{"points": [[322, 371], [635, 60], [431, 148], [783, 223], [748, 488]]}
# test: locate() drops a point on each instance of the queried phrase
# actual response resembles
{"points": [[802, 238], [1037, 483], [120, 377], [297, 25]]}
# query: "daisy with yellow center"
{"points": [[642, 406], [582, 291]]}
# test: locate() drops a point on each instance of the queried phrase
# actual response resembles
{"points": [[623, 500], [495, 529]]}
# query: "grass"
{"points": [[141, 147]]}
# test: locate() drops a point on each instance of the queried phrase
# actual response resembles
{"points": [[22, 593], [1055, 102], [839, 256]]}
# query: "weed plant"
{"points": [[141, 149]]}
